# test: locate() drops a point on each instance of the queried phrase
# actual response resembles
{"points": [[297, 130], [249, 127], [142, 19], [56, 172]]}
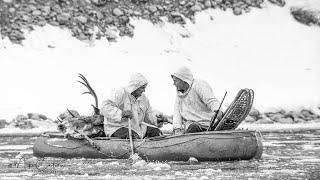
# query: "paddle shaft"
{"points": [[130, 136], [216, 114], [130, 131]]}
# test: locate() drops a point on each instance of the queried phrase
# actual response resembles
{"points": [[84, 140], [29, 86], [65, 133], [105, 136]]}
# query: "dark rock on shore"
{"points": [[255, 114], [36, 116], [3, 123], [264, 121], [29, 121], [83, 16], [281, 116], [67, 114], [22, 121], [306, 16], [20, 117], [280, 3]]}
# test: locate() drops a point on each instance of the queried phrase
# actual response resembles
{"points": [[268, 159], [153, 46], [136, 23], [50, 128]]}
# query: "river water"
{"points": [[285, 156]]}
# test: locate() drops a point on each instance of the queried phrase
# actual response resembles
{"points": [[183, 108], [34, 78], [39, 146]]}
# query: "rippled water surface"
{"points": [[285, 156]]}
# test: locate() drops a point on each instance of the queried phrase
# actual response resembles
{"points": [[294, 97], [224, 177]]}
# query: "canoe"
{"points": [[204, 146]]}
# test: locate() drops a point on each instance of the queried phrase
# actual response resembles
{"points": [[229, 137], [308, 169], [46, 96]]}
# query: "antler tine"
{"points": [[86, 83], [87, 93], [84, 79], [70, 113], [91, 91]]}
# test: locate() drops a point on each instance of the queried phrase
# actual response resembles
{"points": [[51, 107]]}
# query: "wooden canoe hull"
{"points": [[206, 146]]}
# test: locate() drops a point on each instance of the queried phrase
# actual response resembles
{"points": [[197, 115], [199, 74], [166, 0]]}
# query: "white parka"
{"points": [[197, 104], [122, 100]]}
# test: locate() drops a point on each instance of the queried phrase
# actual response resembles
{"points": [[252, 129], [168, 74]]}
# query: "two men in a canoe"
{"points": [[194, 107]]}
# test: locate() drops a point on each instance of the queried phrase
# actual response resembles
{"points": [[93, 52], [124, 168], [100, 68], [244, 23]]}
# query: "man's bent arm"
{"points": [[150, 117], [110, 107], [207, 96], [177, 119]]}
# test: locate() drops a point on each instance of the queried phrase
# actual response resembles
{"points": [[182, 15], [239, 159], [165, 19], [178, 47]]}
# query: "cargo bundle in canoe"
{"points": [[205, 146]]}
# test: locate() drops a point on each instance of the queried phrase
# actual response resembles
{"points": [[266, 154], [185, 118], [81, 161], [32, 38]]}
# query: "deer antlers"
{"points": [[91, 92]]}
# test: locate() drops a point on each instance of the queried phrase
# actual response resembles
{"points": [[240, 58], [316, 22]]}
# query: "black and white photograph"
{"points": [[160, 89]]}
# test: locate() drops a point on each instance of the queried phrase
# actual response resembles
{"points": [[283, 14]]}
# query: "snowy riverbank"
{"points": [[266, 50]]}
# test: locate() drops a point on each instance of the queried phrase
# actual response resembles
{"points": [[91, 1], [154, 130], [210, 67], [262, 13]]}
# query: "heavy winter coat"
{"points": [[122, 100], [197, 104]]}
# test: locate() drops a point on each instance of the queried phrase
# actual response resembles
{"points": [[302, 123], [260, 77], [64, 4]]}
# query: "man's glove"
{"points": [[161, 118], [127, 114]]}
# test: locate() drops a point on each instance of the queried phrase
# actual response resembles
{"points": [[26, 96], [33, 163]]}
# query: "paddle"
{"points": [[130, 138], [216, 114], [134, 156]]}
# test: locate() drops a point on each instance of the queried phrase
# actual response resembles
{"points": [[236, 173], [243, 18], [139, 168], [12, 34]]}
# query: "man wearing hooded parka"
{"points": [[195, 103], [130, 104]]}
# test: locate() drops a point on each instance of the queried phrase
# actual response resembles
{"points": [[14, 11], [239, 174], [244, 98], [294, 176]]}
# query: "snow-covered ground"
{"points": [[39, 128], [266, 50], [281, 127]]}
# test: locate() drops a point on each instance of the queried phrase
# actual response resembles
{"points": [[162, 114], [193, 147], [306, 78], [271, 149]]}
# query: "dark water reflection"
{"points": [[285, 156]]}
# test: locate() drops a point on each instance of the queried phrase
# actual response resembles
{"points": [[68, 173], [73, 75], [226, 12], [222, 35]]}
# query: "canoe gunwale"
{"points": [[157, 138], [140, 142]]}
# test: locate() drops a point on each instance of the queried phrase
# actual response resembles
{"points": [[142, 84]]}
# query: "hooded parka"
{"points": [[196, 104], [122, 100]]}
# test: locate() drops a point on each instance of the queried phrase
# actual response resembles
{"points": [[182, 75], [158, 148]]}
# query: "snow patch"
{"points": [[142, 164], [15, 147], [280, 127]]}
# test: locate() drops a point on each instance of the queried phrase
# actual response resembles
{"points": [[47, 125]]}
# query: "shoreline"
{"points": [[281, 121], [167, 129], [281, 128]]}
